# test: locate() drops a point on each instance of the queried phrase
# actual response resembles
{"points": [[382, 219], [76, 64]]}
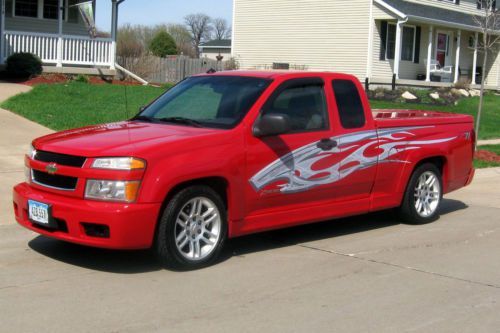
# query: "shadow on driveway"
{"points": [[134, 262]]}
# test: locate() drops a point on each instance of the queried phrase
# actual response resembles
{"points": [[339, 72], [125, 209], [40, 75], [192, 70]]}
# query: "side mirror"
{"points": [[272, 124]]}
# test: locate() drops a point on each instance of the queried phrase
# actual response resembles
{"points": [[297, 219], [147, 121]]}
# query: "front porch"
{"points": [[74, 52], [440, 51]]}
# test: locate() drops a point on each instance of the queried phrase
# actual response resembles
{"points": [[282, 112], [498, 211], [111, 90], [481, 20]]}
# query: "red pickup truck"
{"points": [[227, 154]]}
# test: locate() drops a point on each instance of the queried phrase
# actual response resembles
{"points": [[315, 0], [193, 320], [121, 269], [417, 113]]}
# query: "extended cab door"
{"points": [[357, 139]]}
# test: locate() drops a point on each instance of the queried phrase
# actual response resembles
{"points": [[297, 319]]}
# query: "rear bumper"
{"points": [[131, 226]]}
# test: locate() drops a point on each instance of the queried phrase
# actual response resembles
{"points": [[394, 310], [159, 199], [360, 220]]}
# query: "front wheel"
{"points": [[423, 195], [193, 228]]}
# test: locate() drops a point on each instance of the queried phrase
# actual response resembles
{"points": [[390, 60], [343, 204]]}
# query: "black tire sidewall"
{"points": [[407, 210], [166, 247]]}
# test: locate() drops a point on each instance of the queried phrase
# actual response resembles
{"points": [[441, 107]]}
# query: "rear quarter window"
{"points": [[349, 105]]}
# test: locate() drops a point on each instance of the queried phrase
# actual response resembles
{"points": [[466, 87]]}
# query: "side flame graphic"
{"points": [[296, 166]]}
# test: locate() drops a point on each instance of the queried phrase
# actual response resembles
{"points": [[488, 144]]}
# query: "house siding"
{"points": [[43, 26], [296, 32]]}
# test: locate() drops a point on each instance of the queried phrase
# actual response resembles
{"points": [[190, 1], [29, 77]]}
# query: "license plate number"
{"points": [[38, 212]]}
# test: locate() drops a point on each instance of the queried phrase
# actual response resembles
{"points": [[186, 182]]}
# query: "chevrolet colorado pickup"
{"points": [[231, 153]]}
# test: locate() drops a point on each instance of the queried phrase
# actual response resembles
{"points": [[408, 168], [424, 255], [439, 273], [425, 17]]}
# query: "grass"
{"points": [[493, 148], [485, 164], [77, 104], [490, 120]]}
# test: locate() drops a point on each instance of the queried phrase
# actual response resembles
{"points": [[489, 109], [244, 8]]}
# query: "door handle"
{"points": [[327, 144]]}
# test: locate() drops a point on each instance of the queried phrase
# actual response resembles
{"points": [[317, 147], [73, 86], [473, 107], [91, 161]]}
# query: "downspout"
{"points": [[369, 61], [397, 55], [2, 31]]}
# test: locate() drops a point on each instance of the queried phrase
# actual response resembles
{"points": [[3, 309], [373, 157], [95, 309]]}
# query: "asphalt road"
{"points": [[364, 274]]}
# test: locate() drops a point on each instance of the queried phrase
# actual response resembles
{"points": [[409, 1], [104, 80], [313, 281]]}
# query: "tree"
{"points": [[182, 38], [200, 29], [129, 42], [162, 44], [222, 30], [489, 25]]}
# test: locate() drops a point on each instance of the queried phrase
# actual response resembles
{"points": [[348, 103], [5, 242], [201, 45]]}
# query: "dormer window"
{"points": [[481, 4]]}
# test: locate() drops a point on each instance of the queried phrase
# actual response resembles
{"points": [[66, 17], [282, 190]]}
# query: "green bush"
{"points": [[162, 44], [81, 78], [23, 65]]}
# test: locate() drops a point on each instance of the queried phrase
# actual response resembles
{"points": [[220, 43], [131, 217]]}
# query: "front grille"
{"points": [[54, 181], [61, 159]]}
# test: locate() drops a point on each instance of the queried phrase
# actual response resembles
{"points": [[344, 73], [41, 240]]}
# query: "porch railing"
{"points": [[76, 50]]}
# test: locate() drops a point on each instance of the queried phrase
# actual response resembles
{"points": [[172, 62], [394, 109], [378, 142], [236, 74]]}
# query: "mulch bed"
{"points": [[61, 78], [487, 156]]}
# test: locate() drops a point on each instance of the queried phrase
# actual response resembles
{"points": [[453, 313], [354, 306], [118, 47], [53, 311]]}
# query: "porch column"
{"points": [[397, 53], [60, 39], [429, 54], [114, 28], [474, 62], [457, 56], [2, 31]]}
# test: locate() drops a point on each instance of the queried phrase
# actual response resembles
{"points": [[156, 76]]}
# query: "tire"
{"points": [[192, 229], [423, 195]]}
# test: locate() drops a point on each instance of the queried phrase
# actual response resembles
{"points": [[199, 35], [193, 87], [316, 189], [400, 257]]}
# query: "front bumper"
{"points": [[131, 226]]}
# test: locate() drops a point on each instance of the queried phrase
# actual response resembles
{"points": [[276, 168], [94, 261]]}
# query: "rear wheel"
{"points": [[192, 229], [423, 195]]}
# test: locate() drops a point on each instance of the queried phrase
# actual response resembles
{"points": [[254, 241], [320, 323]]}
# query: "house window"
{"points": [[481, 4], [407, 42], [46, 9], [391, 41], [26, 8]]}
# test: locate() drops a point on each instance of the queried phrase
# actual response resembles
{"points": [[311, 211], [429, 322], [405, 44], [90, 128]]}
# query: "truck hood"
{"points": [[117, 139]]}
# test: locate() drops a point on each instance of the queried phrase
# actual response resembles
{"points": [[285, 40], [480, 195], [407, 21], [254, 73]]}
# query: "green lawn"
{"points": [[483, 164], [490, 120], [63, 106]]}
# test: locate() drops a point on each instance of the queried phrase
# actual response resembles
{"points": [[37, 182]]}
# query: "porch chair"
{"points": [[445, 72]]}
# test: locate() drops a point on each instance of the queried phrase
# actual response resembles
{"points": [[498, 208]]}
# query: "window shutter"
{"points": [[457, 2], [418, 33], [8, 8], [478, 2], [383, 39], [494, 5]]}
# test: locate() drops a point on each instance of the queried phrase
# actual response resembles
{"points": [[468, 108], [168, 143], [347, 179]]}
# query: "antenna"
{"points": [[126, 100]]}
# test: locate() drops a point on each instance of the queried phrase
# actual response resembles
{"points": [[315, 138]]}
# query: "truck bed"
{"points": [[393, 117]]}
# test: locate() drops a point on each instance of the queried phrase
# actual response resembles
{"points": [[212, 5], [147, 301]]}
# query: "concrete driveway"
{"points": [[16, 134], [365, 274]]}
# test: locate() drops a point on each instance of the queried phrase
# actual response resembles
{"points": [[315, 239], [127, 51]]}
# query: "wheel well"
{"points": [[438, 161], [218, 184]]}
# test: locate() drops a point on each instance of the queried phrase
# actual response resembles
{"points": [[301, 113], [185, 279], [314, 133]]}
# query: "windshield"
{"points": [[206, 101]]}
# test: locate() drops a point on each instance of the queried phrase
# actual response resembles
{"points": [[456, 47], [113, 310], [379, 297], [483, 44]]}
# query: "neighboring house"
{"points": [[215, 49], [414, 42], [55, 31]]}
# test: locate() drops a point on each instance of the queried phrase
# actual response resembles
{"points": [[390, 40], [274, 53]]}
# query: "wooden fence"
{"points": [[172, 69]]}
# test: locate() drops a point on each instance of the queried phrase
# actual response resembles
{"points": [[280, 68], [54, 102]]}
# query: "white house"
{"points": [[216, 49], [413, 41], [55, 31]]}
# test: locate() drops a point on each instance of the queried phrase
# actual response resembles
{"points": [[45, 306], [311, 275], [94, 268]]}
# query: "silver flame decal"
{"points": [[296, 167]]}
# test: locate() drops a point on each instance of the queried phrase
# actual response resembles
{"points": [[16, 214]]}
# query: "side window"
{"points": [[304, 104], [349, 105]]}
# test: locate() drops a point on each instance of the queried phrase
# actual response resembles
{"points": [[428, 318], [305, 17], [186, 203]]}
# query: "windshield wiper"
{"points": [[181, 120], [143, 118]]}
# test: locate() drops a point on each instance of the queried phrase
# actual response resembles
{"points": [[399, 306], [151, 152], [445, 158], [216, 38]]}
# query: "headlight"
{"points": [[32, 152], [119, 163], [124, 191]]}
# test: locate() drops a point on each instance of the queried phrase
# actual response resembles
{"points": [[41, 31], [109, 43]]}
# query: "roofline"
{"points": [[390, 8], [215, 47]]}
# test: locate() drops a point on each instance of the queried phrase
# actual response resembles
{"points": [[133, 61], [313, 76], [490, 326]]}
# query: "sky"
{"points": [[151, 12]]}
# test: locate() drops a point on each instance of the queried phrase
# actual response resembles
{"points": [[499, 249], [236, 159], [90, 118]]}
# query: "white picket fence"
{"points": [[76, 50]]}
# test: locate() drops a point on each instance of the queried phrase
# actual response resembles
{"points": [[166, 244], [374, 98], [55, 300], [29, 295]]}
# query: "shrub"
{"points": [[81, 78], [232, 64], [162, 44], [23, 65]]}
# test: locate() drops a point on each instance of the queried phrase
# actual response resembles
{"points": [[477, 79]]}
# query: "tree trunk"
{"points": [[481, 96]]}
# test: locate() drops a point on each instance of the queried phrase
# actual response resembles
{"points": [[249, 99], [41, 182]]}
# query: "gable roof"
{"points": [[219, 44], [436, 15]]}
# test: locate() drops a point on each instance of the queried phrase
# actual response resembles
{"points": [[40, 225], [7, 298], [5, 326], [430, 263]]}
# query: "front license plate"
{"points": [[38, 212]]}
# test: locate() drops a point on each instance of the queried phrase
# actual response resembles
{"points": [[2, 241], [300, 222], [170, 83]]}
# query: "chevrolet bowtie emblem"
{"points": [[51, 168]]}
